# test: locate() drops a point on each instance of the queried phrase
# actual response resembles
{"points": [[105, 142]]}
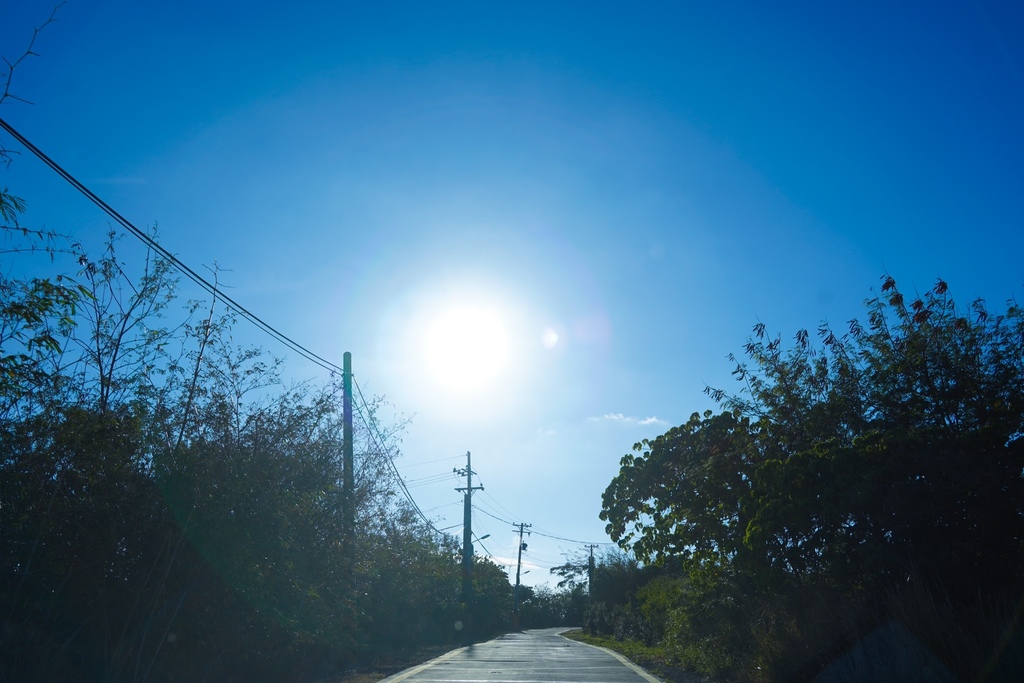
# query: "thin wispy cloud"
{"points": [[619, 418], [120, 180]]}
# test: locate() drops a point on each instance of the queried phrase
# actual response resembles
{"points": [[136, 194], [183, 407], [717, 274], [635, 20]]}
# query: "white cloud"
{"points": [[619, 418], [120, 180]]}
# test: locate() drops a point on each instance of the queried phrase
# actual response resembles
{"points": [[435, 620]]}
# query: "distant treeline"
{"points": [[171, 511], [869, 483]]}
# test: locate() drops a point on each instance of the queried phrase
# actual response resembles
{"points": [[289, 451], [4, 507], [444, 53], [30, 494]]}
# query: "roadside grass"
{"points": [[656, 660]]}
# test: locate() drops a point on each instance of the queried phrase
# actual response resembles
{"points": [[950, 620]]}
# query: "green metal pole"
{"points": [[348, 478]]}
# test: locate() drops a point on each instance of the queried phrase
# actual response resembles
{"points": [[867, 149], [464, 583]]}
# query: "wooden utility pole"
{"points": [[590, 572], [467, 533], [519, 565]]}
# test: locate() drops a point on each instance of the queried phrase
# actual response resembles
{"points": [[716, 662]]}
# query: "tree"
{"points": [[685, 495], [173, 516], [170, 509], [902, 437], [491, 610], [894, 451]]}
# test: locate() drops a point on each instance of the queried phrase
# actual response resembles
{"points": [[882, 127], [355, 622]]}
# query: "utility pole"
{"points": [[467, 534], [519, 565], [348, 479], [590, 571]]}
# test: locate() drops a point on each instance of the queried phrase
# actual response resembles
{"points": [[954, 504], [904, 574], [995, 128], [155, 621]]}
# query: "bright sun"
{"points": [[466, 347]]}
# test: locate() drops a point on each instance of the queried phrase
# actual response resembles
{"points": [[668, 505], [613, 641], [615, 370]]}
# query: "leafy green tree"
{"points": [[170, 510], [37, 315], [492, 604], [174, 515], [685, 494], [903, 435], [891, 452]]}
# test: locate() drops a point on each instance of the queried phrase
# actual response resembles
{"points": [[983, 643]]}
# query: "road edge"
{"points": [[411, 671], [644, 673]]}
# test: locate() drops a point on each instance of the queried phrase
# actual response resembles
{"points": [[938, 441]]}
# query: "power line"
{"points": [[506, 510], [572, 540], [444, 505], [213, 290], [371, 427], [495, 516], [539, 533], [433, 479], [244, 312], [478, 525], [375, 435], [171, 258], [481, 544], [493, 512], [431, 462]]}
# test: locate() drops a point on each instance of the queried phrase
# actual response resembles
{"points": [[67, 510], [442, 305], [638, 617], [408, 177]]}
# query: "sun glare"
{"points": [[466, 348]]}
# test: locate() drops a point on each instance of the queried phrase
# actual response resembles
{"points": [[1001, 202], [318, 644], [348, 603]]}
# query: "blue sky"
{"points": [[625, 190]]}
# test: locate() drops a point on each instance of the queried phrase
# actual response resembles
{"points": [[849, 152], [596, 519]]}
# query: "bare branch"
{"points": [[7, 77]]}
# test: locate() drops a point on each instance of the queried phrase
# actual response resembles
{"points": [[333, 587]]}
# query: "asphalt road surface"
{"points": [[538, 656]]}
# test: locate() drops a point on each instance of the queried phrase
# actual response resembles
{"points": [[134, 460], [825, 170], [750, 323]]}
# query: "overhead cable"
{"points": [[540, 533], [244, 312], [478, 509], [213, 290], [495, 501], [571, 540], [371, 427], [169, 257]]}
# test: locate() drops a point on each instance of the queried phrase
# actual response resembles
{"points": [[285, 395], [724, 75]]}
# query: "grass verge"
{"points": [[654, 659]]}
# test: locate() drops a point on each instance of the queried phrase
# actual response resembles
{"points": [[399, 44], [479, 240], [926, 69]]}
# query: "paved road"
{"points": [[539, 656]]}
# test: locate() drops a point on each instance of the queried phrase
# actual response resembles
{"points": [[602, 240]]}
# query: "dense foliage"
{"points": [[846, 480], [543, 607], [170, 510]]}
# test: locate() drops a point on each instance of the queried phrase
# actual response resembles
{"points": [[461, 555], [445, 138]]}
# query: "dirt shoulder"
{"points": [[381, 669]]}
